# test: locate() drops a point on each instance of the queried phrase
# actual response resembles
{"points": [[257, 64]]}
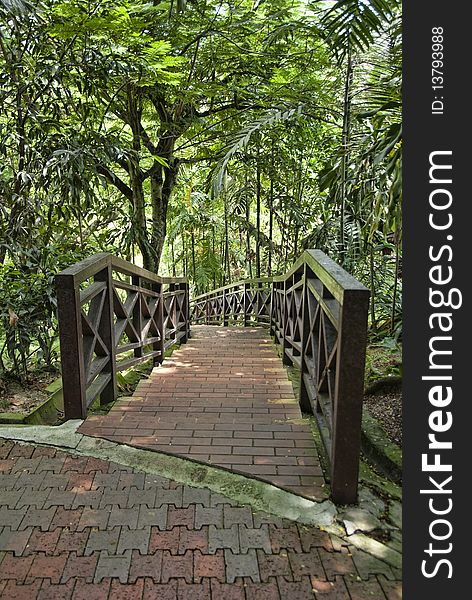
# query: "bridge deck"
{"points": [[224, 399]]}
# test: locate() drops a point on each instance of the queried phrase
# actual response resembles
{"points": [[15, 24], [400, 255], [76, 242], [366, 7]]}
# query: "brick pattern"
{"points": [[127, 535], [223, 399]]}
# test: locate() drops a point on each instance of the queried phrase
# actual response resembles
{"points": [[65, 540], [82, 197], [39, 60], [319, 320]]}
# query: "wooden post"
{"points": [[189, 316], [156, 346], [138, 315], [173, 315], [207, 310], [185, 311], [258, 298], [225, 315], [72, 348], [271, 308], [305, 403], [285, 359], [349, 389], [245, 302], [160, 326], [107, 333]]}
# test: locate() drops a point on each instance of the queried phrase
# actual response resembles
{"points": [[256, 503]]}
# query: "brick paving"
{"points": [[77, 528], [225, 399]]}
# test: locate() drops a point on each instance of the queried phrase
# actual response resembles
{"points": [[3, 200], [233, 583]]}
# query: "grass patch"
{"points": [[383, 362]]}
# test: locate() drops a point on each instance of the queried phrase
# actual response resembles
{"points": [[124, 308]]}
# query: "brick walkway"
{"points": [[81, 528], [223, 398]]}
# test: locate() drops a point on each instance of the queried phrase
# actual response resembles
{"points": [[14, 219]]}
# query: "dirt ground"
{"points": [[16, 397], [385, 405]]}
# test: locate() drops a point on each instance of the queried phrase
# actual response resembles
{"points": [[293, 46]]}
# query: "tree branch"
{"points": [[159, 105], [123, 164], [235, 105], [147, 140], [116, 181]]}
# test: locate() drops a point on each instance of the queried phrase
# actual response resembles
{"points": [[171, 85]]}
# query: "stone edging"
{"points": [[377, 447]]}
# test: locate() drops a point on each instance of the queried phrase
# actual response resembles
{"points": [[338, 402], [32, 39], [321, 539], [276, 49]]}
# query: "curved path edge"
{"points": [[260, 495]]}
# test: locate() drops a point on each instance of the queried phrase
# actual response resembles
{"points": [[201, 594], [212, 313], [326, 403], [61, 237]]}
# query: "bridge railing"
{"points": [[317, 312], [112, 315], [240, 303]]}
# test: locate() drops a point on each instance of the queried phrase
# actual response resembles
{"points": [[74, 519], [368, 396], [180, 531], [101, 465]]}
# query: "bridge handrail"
{"points": [[101, 300], [317, 312], [216, 291]]}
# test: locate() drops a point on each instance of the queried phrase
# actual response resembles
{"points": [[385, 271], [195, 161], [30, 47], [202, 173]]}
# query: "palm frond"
{"points": [[353, 24], [16, 7], [243, 137]]}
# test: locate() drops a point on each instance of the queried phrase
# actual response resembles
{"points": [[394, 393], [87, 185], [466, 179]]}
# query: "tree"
{"points": [[143, 77], [238, 133]]}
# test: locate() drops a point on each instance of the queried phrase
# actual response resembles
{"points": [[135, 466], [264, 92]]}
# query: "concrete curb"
{"points": [[386, 455], [261, 496], [45, 413]]}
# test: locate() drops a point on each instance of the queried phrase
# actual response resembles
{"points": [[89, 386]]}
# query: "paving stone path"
{"points": [[225, 399], [83, 529]]}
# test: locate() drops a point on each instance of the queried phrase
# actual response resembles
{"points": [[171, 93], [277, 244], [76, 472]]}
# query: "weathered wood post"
{"points": [[349, 390], [258, 301], [185, 312], [161, 344], [106, 331], [72, 348], [137, 315], [245, 302], [173, 311], [79, 370], [225, 309], [207, 310], [305, 403], [272, 308], [285, 317]]}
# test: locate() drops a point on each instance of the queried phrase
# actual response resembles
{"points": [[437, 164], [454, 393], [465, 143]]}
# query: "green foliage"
{"points": [[243, 137], [355, 24], [383, 362], [224, 138], [28, 328], [116, 33]]}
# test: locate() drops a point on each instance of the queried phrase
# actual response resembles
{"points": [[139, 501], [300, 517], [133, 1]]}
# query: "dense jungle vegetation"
{"points": [[215, 139]]}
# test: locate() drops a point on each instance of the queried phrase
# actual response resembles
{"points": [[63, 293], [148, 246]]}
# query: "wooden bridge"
{"points": [[224, 397]]}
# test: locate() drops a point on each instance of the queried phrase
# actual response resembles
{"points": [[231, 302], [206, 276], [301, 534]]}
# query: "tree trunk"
{"points": [[172, 254], [226, 266], [346, 134], [162, 183], [139, 224], [222, 253], [184, 255], [213, 251], [150, 239], [258, 217], [271, 211], [194, 265], [248, 236]]}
